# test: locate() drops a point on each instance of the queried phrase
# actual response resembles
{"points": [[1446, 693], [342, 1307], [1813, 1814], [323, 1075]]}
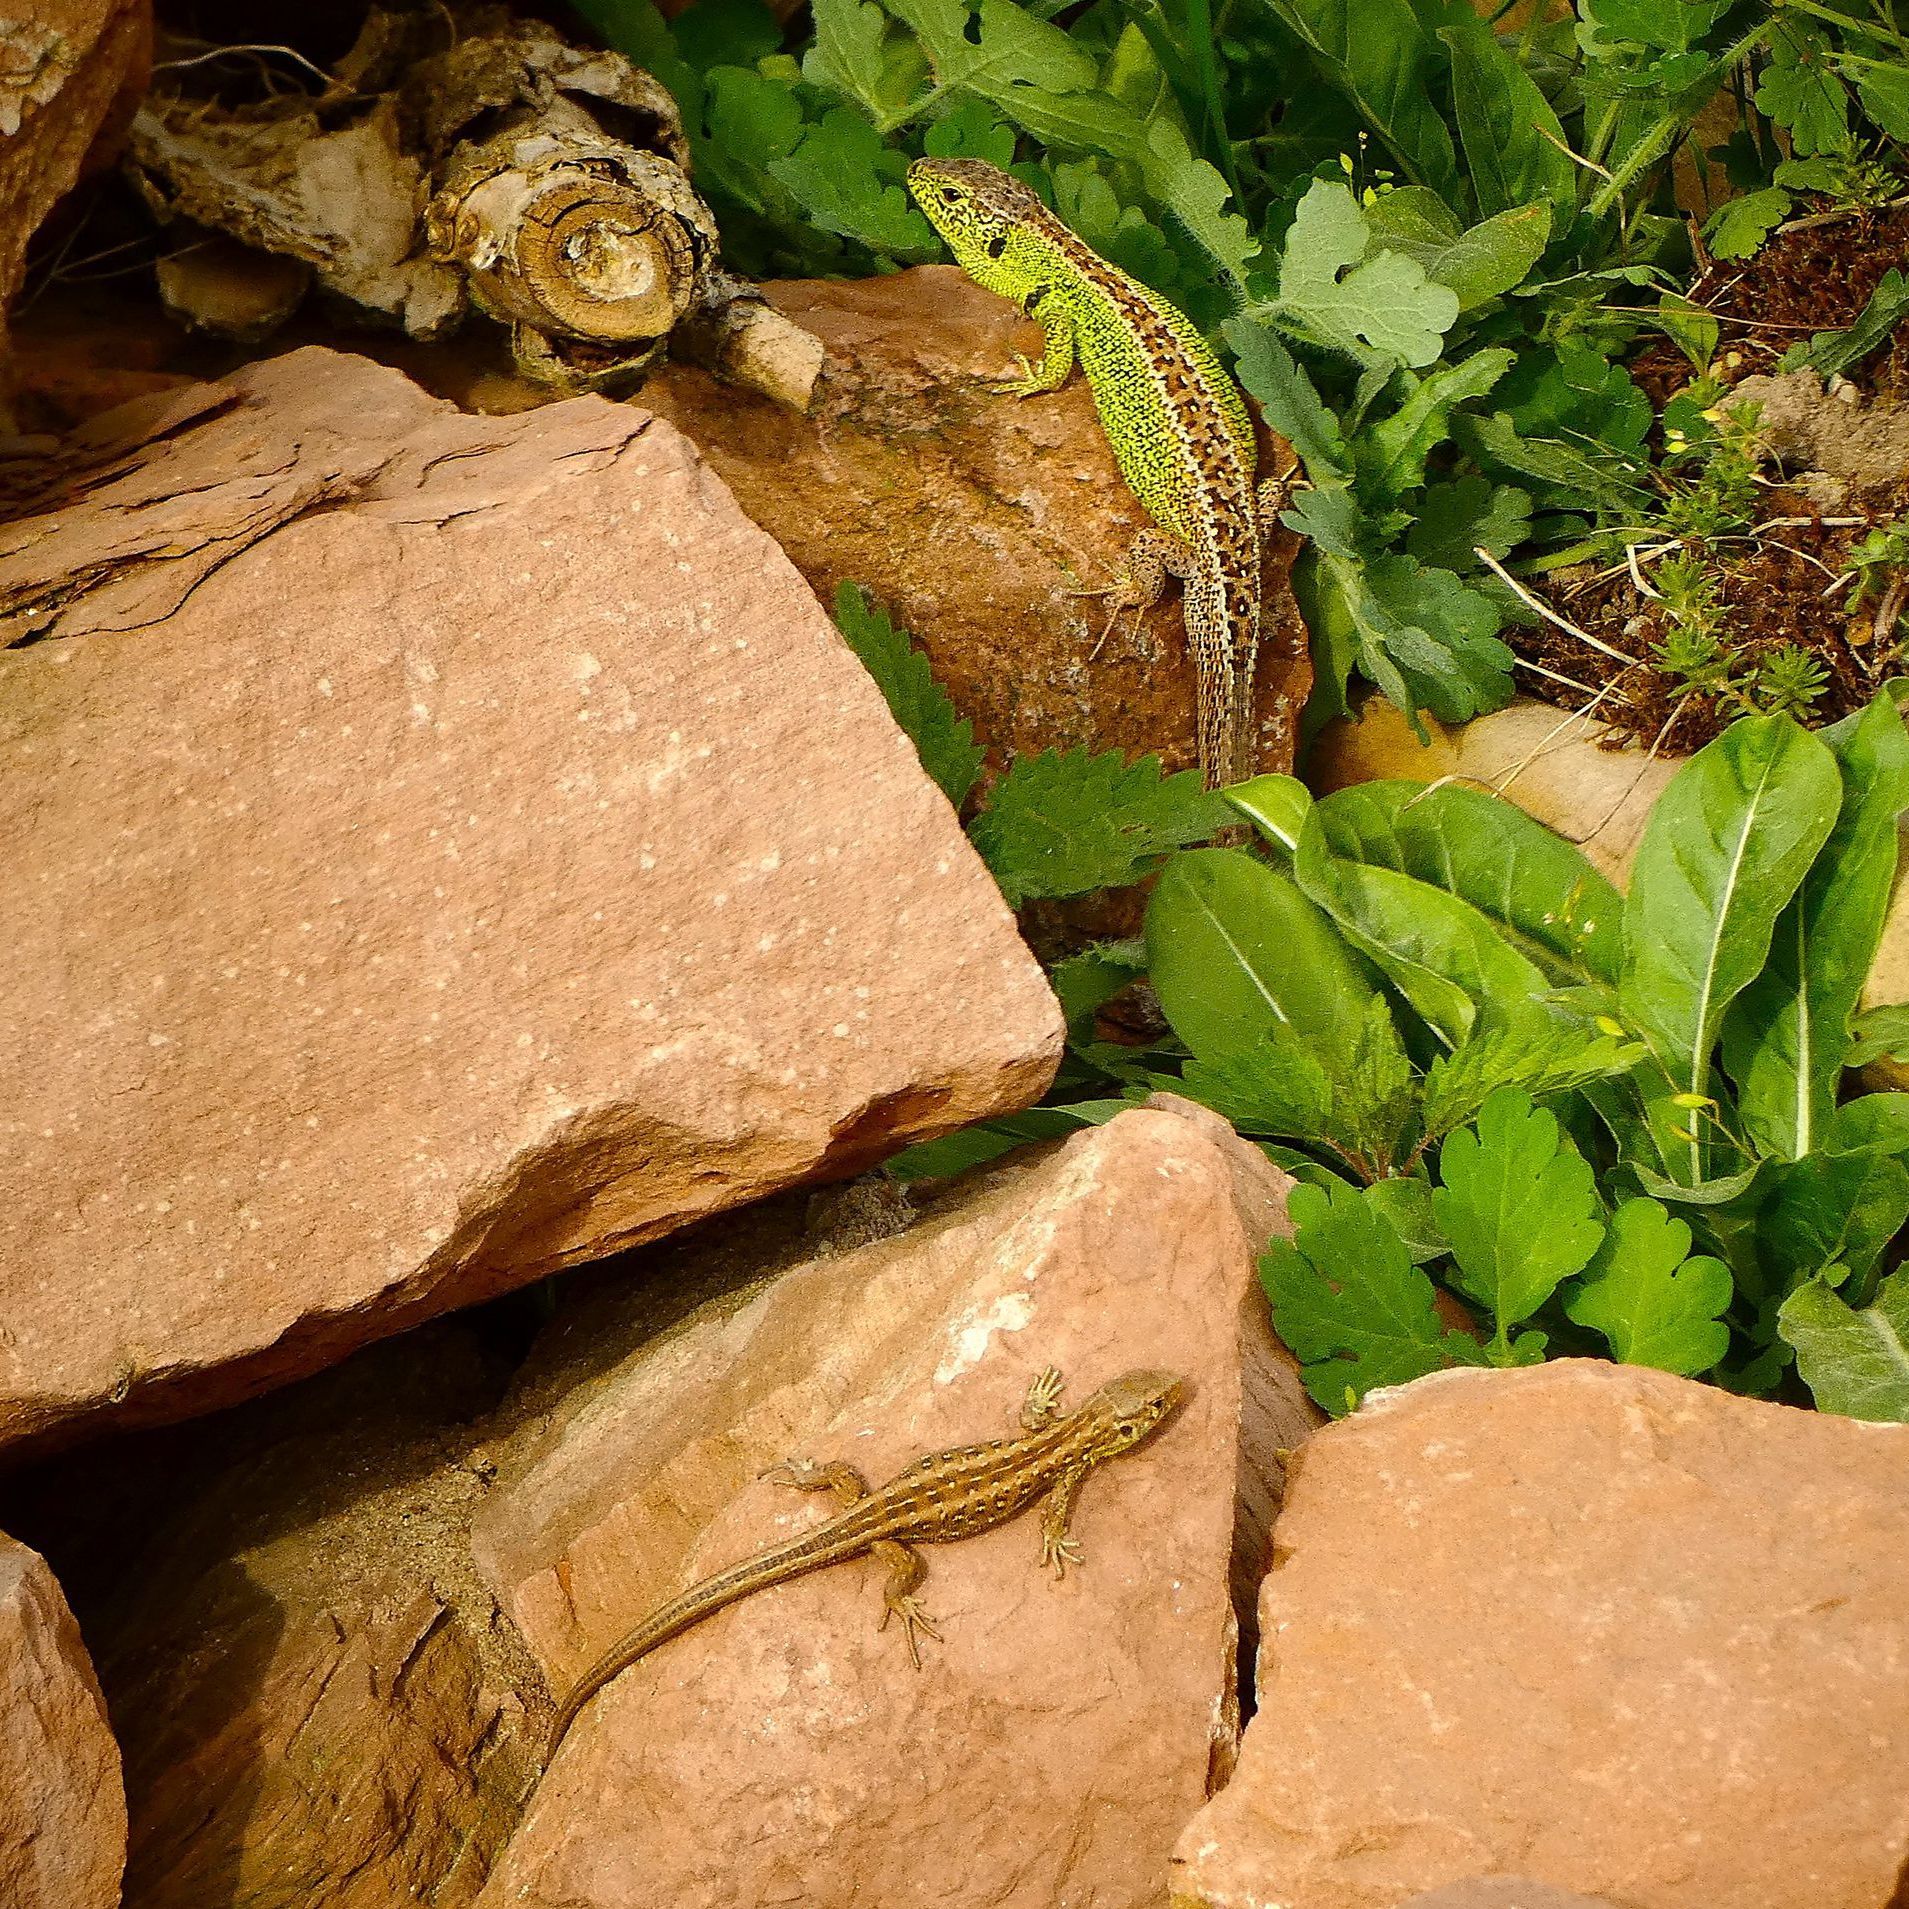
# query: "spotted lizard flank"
{"points": [[1178, 426], [939, 1498]]}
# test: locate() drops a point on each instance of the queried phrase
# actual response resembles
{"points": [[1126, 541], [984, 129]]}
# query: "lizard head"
{"points": [[1134, 1406], [999, 231]]}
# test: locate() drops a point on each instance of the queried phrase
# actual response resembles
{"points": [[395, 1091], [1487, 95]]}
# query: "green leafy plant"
{"points": [[1593, 1115], [1057, 823]]}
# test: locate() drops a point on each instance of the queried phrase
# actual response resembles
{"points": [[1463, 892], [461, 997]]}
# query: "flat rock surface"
{"points": [[1059, 1734], [1593, 1626], [62, 1810], [441, 849], [976, 518]]}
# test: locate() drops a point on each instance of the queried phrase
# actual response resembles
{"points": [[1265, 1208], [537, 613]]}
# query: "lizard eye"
{"points": [[949, 196]]}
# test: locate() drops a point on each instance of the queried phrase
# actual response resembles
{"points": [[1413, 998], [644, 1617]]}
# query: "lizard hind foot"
{"points": [[1060, 1553], [906, 1606]]}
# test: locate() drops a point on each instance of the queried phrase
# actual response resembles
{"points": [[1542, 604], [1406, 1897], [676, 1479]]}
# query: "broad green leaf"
{"points": [[1275, 805], [1654, 1301], [1495, 256], [1442, 954], [1383, 304], [1856, 1363], [1067, 823], [1575, 392], [1519, 1207], [1540, 890], [1878, 1033], [850, 56], [1727, 845], [1390, 456], [1832, 1209], [1785, 1036], [1233, 948], [942, 737], [1350, 1304], [1413, 220], [1514, 143], [1406, 1203], [1380, 55], [1883, 88]]}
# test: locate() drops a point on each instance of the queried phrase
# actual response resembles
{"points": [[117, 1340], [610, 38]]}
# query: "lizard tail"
{"points": [[1223, 639], [794, 1559]]}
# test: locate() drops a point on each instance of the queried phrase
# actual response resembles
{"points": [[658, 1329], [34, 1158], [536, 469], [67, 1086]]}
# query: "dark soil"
{"points": [[1776, 582], [1773, 592], [1816, 278]]}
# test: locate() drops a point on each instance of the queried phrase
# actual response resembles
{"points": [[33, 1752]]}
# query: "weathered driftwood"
{"points": [[474, 160]]}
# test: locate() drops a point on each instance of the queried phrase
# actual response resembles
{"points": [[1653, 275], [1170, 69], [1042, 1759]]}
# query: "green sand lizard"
{"points": [[1178, 426]]}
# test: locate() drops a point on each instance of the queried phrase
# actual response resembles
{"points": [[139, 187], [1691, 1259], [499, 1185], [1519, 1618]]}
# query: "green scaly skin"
{"points": [[1177, 424]]}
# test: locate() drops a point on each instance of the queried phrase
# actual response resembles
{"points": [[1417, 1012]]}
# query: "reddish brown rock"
{"points": [[974, 517], [70, 73], [317, 1699], [441, 849], [1059, 1734], [1595, 1626], [62, 1811]]}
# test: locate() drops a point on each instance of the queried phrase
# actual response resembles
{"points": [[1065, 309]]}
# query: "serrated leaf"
{"points": [[1800, 91], [1538, 1054], [1384, 304], [1084, 983], [1069, 823], [1655, 1302], [1738, 227], [1440, 635], [1389, 457], [850, 184], [1856, 1363], [942, 737], [1459, 517], [1275, 1087], [1350, 1304], [1518, 1205]]}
